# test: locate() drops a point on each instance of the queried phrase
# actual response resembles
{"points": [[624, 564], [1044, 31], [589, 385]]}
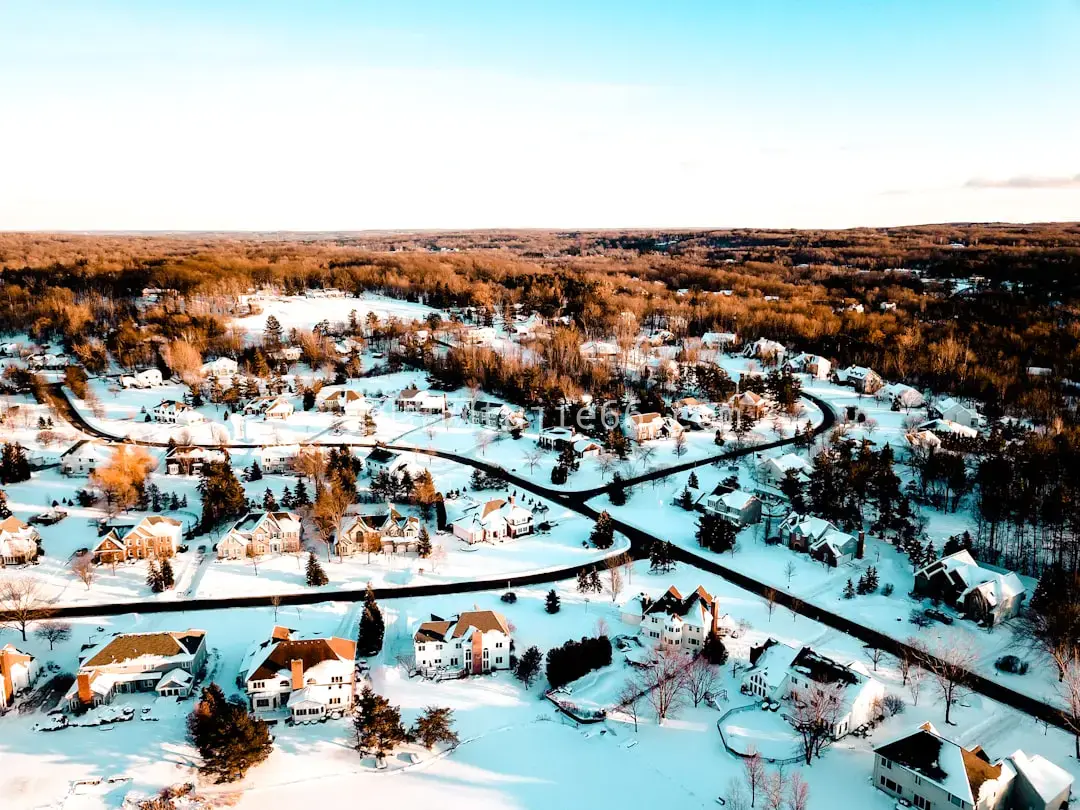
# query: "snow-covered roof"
{"points": [[1045, 778], [960, 772]]}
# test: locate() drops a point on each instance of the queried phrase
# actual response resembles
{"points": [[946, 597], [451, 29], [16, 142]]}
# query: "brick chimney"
{"points": [[716, 617], [297, 667], [860, 547], [86, 695]]}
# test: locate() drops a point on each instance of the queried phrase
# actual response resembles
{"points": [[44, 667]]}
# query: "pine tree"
{"points": [[849, 590], [603, 533], [715, 533], [714, 650], [166, 574], [440, 513], [254, 472], [692, 482], [583, 581], [269, 502], [222, 495], [300, 496], [528, 666], [153, 578], [871, 579], [5, 510], [273, 333], [377, 725], [552, 604], [315, 576], [423, 543], [686, 500], [862, 588], [435, 725], [229, 738], [287, 500], [559, 474], [660, 559], [617, 491], [595, 584], [175, 504], [372, 626]]}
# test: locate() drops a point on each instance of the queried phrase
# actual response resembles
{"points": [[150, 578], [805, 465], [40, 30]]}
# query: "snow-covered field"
{"points": [[303, 312]]}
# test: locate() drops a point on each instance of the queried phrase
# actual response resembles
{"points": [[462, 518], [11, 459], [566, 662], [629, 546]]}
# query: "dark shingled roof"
{"points": [[135, 645]]}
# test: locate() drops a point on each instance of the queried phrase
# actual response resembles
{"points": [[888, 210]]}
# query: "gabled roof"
{"points": [[380, 455], [961, 772], [279, 654], [696, 608], [484, 621], [130, 646]]}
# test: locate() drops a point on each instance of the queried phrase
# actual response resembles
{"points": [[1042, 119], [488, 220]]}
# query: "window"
{"points": [[957, 801], [337, 679], [498, 643], [498, 659], [886, 763], [335, 701], [920, 802], [262, 703]]}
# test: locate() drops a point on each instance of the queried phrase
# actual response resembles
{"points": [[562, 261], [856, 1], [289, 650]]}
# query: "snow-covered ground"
{"points": [[518, 752], [303, 312]]}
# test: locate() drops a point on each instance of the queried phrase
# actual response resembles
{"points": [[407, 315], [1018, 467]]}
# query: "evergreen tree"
{"points": [[660, 559], [300, 496], [686, 500], [595, 584], [166, 574], [477, 481], [792, 487], [229, 738], [559, 474], [849, 590], [269, 502], [287, 499], [528, 666], [377, 724], [315, 576], [583, 581], [692, 482], [153, 577], [862, 588], [871, 579], [715, 533], [273, 334], [435, 725], [222, 495], [372, 627], [603, 532], [714, 650], [175, 503], [423, 543], [5, 510], [617, 490], [440, 513], [254, 472], [552, 603]]}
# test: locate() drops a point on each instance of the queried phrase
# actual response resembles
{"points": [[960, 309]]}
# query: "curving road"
{"points": [[576, 501]]}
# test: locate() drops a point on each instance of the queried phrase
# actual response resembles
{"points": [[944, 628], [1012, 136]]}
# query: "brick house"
{"points": [[397, 533], [18, 671], [308, 677], [260, 533], [155, 537]]}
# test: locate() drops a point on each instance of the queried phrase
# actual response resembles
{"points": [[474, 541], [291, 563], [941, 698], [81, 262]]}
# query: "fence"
{"points": [[742, 754]]}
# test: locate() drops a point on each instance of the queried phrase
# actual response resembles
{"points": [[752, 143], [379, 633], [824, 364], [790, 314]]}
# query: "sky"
{"points": [[315, 115]]}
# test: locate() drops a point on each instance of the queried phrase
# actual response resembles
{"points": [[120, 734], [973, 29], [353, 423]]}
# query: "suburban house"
{"points": [[983, 594], [82, 458], [734, 505], [749, 405], [46, 360], [682, 622], [147, 378], [171, 412], [414, 401], [586, 448], [279, 458], [928, 770], [815, 365], [396, 533], [862, 379], [168, 663], [693, 413], [773, 470], [155, 537], [342, 400], [496, 521], [955, 411], [494, 415], [819, 538], [18, 671], [308, 677], [18, 542], [221, 367], [269, 408], [946, 427], [259, 533], [779, 672], [768, 351], [475, 642], [556, 438], [190, 460], [903, 396], [641, 427], [381, 460], [719, 340]]}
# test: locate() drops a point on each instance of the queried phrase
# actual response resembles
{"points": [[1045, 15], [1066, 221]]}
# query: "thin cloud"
{"points": [[1026, 181]]}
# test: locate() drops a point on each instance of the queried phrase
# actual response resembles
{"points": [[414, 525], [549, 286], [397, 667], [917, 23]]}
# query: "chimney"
{"points": [[860, 548], [86, 695], [297, 667], [279, 633], [716, 617]]}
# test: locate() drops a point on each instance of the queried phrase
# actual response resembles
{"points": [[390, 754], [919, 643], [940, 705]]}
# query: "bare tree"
{"points": [[949, 665], [606, 462], [275, 601], [644, 453], [680, 445], [736, 795], [775, 790], [789, 571], [874, 655], [754, 767], [915, 677], [331, 505], [904, 663], [615, 576], [1070, 692], [533, 458], [483, 441], [53, 632], [437, 557], [664, 681], [630, 698], [82, 566], [701, 679], [770, 601], [816, 711], [798, 792], [21, 602]]}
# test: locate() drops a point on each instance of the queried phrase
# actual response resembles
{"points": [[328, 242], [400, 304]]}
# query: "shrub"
{"points": [[576, 658], [892, 705], [509, 597], [887, 589], [1011, 664]]}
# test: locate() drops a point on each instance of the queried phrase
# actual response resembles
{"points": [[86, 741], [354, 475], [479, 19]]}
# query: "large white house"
{"points": [[780, 672], [172, 412], [682, 622], [147, 378], [269, 408], [819, 538], [953, 410], [259, 533], [308, 677], [774, 469], [984, 594], [496, 521], [475, 642], [165, 662], [929, 771], [82, 458], [412, 400], [221, 367], [18, 542], [342, 400], [18, 671]]}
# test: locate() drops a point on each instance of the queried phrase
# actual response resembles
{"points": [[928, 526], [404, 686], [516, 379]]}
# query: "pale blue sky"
{"points": [[320, 115]]}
